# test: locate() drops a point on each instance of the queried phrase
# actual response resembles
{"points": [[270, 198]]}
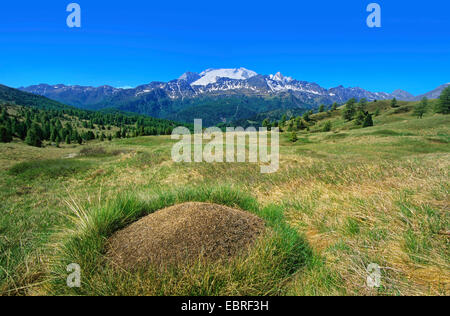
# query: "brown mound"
{"points": [[183, 233]]}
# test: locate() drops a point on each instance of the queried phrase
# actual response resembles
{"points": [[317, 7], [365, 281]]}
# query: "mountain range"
{"points": [[216, 95]]}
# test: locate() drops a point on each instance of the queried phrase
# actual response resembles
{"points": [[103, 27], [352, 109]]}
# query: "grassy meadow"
{"points": [[340, 201]]}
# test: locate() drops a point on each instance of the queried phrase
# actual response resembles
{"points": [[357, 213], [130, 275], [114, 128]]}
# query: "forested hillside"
{"points": [[40, 121]]}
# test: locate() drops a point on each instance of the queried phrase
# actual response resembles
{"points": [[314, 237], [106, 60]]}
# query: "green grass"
{"points": [[45, 169]]}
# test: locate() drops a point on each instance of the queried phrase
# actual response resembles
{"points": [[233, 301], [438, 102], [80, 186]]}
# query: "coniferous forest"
{"points": [[37, 121]]}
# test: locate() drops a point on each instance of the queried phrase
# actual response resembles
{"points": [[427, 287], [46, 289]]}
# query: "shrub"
{"points": [[293, 138], [327, 126]]}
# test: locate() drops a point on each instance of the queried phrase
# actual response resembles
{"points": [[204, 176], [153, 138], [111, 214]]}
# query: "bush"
{"points": [[327, 126], [293, 138]]}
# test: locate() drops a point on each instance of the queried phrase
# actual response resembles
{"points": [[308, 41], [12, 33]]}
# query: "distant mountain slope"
{"points": [[435, 94], [403, 95], [14, 96], [182, 97]]}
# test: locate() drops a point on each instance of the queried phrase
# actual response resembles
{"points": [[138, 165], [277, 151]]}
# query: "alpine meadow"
{"points": [[225, 157]]}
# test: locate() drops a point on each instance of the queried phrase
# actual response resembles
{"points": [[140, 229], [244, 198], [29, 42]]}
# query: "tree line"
{"points": [[34, 125]]}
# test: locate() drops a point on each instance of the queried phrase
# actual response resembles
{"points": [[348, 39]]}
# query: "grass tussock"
{"points": [[264, 271]]}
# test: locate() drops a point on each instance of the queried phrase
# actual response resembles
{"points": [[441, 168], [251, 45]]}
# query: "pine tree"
{"points": [[368, 121], [362, 104], [394, 103], [360, 117], [58, 140], [302, 125], [334, 106], [53, 135], [322, 108], [443, 104], [306, 117], [68, 140], [349, 110], [421, 108], [5, 135], [33, 138]]}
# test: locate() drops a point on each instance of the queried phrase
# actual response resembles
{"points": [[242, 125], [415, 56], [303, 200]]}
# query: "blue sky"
{"points": [[127, 43]]}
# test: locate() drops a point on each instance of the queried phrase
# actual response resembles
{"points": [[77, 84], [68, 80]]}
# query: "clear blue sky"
{"points": [[127, 43]]}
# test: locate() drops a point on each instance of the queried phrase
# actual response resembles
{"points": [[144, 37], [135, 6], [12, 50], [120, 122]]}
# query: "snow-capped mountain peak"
{"points": [[210, 76], [189, 77], [279, 77]]}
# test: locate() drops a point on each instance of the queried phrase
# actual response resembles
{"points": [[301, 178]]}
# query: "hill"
{"points": [[39, 121]]}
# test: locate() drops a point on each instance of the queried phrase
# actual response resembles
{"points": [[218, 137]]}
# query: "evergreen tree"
{"points": [[360, 117], [421, 108], [33, 138], [349, 110], [306, 117], [68, 140], [368, 121], [334, 106], [53, 135], [4, 116], [302, 125], [5, 135], [362, 104], [322, 108], [443, 104], [394, 103]]}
